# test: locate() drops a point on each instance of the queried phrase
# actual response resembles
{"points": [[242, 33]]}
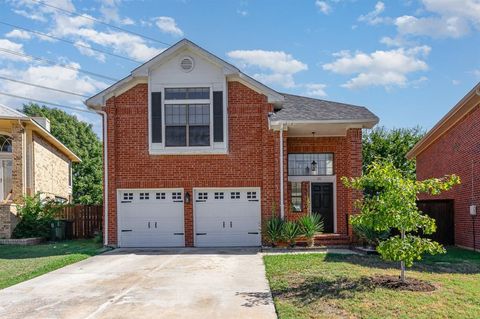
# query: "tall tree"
{"points": [[381, 143], [79, 137]]}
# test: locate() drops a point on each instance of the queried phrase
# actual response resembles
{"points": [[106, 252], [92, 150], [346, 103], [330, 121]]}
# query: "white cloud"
{"points": [[315, 89], [243, 13], [168, 25], [476, 73], [11, 46], [83, 47], [373, 17], [109, 10], [455, 82], [18, 34], [449, 18], [380, 68], [323, 6], [280, 66], [83, 31], [51, 76]]}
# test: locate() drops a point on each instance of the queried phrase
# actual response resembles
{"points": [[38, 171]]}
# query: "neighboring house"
{"points": [[200, 154], [32, 161], [452, 146]]}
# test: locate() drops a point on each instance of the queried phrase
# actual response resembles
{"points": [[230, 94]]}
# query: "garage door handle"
{"points": [[126, 201], [223, 224], [148, 224], [252, 233], [230, 224], [155, 224], [201, 234], [179, 234], [126, 230], [253, 200], [178, 201], [200, 201]]}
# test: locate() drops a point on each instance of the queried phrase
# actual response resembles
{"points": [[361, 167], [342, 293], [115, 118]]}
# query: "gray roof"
{"points": [[300, 108], [8, 112]]}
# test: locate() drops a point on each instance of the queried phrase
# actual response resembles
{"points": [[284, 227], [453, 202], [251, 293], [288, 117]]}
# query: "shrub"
{"points": [[290, 232], [311, 225], [370, 236], [35, 217], [274, 229]]}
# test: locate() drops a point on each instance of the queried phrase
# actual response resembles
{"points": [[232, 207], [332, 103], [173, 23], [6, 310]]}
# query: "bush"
{"points": [[311, 225], [274, 229], [35, 217], [370, 236], [290, 232]]}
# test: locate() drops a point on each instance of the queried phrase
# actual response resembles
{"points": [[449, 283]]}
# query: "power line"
{"points": [[60, 65], [45, 102], [43, 87], [99, 21], [68, 41]]}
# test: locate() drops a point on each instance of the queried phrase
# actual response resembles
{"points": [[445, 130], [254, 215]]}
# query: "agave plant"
{"points": [[370, 236], [311, 225], [274, 230], [291, 231]]}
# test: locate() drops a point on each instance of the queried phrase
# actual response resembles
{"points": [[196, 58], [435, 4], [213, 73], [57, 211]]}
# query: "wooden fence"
{"points": [[85, 220]]}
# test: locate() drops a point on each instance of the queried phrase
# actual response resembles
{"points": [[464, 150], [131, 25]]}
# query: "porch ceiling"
{"points": [[306, 129]]}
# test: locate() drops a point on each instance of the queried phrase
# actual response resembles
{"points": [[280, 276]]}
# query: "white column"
{"points": [[282, 206]]}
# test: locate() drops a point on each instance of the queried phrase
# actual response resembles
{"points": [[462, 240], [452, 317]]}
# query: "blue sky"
{"points": [[408, 61]]}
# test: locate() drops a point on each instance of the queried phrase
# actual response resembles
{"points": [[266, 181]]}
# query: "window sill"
{"points": [[189, 151]]}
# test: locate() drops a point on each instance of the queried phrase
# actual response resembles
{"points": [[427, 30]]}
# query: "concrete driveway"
{"points": [[167, 283]]}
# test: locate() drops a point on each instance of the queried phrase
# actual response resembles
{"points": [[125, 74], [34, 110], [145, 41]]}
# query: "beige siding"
{"points": [[50, 169]]}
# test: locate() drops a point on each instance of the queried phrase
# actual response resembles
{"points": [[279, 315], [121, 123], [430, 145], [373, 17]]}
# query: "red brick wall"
{"points": [[453, 153], [251, 161], [347, 161]]}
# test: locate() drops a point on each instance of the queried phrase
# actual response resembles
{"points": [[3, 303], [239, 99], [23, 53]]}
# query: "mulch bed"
{"points": [[411, 284]]}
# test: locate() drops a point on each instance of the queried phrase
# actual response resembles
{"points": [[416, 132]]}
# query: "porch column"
{"points": [[18, 162]]}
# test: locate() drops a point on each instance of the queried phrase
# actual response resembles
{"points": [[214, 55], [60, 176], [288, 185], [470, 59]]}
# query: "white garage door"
{"points": [[227, 217], [151, 218]]}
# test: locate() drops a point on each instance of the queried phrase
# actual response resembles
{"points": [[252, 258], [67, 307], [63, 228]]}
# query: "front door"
{"points": [[322, 204]]}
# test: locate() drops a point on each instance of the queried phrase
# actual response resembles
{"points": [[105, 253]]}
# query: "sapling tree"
{"points": [[389, 203]]}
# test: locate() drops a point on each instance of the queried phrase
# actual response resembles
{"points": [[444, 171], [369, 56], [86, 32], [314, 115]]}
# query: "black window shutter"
{"points": [[156, 117], [218, 116]]}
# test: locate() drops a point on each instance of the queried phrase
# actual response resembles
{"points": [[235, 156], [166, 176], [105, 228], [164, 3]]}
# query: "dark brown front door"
{"points": [[322, 204]]}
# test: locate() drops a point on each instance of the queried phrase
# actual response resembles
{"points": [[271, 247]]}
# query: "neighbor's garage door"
{"points": [[150, 218], [227, 217]]}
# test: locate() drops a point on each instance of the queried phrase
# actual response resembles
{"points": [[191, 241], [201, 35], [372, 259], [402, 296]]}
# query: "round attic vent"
{"points": [[186, 64]]}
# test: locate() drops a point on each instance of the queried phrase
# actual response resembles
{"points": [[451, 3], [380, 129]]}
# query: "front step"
{"points": [[328, 240]]}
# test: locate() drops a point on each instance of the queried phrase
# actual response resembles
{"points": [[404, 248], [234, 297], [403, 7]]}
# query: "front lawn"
{"points": [[337, 286], [20, 263]]}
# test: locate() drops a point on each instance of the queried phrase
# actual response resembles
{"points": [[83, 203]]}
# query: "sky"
{"points": [[408, 61]]}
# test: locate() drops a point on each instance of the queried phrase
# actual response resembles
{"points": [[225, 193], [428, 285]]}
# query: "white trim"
{"points": [[282, 201], [226, 189]]}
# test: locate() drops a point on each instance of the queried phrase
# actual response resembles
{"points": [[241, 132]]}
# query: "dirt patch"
{"points": [[411, 284]]}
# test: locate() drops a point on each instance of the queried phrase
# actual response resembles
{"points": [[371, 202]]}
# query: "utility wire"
{"points": [[56, 64], [45, 102], [68, 41], [99, 21], [43, 87]]}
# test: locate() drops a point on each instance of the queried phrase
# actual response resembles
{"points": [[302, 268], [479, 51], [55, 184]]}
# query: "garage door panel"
{"points": [[151, 218], [227, 217]]}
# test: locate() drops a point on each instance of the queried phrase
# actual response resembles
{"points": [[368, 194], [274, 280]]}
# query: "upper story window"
{"points": [[187, 118], [310, 164]]}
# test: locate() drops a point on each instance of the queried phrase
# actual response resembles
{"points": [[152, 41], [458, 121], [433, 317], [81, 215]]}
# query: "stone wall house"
{"points": [[200, 154], [32, 161]]}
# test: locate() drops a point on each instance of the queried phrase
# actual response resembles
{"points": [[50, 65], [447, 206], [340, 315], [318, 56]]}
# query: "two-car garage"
{"points": [[221, 217]]}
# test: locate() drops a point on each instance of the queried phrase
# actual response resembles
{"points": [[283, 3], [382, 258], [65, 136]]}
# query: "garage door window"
{"points": [[160, 196], [219, 195], [177, 196], [144, 196], [235, 195], [251, 195], [202, 196], [127, 196]]}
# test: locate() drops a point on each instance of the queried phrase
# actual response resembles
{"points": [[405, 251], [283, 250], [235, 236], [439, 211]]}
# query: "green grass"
{"points": [[20, 263], [331, 286]]}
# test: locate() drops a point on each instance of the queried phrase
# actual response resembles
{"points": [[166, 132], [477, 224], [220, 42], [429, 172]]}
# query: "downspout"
{"points": [[282, 206], [105, 175]]}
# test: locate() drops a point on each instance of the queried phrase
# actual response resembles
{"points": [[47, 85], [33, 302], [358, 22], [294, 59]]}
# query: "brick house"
{"points": [[32, 161], [200, 154], [452, 146]]}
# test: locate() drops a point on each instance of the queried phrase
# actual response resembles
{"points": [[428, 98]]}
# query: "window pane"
{"points": [[187, 93], [175, 114], [301, 164], [176, 136], [199, 136], [199, 114]]}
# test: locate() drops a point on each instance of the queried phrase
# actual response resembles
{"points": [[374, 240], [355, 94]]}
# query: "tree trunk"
{"points": [[402, 263]]}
